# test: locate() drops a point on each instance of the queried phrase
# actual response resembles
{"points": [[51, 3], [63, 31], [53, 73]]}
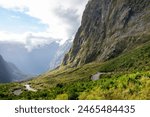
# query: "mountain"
{"points": [[60, 53], [4, 74], [108, 29], [9, 72], [36, 61], [30, 62]]}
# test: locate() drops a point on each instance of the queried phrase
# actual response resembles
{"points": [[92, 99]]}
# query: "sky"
{"points": [[39, 22]]}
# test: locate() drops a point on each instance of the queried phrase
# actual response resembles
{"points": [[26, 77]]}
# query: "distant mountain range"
{"points": [[60, 53], [9, 72], [38, 60]]}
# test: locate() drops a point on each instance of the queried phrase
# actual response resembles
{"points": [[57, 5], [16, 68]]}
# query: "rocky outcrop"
{"points": [[109, 28]]}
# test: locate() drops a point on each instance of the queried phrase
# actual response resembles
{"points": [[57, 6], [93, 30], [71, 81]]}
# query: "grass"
{"points": [[112, 86], [129, 86]]}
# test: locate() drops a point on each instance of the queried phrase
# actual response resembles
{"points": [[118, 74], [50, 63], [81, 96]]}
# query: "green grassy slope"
{"points": [[128, 78]]}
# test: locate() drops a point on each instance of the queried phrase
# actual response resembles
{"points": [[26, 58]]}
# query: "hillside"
{"points": [[9, 72], [4, 75]]}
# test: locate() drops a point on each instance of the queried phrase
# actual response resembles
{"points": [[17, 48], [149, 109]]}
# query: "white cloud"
{"points": [[8, 36], [52, 12], [29, 40]]}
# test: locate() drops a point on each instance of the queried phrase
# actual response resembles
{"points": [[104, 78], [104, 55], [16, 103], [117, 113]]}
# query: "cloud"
{"points": [[69, 17], [29, 40], [63, 17], [7, 36], [37, 40]]}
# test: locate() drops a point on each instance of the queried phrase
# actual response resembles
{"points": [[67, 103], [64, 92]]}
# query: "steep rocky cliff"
{"points": [[109, 28]]}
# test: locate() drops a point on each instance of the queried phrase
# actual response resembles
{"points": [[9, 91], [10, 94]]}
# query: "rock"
{"points": [[97, 76], [28, 88], [17, 92]]}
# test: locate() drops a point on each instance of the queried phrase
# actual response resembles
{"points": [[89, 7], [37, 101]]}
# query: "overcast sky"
{"points": [[35, 22]]}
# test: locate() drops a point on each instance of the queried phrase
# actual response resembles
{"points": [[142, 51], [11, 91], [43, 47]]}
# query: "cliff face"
{"points": [[109, 28]]}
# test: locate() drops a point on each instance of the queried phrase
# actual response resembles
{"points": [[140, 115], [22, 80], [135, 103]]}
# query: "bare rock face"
{"points": [[109, 28]]}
